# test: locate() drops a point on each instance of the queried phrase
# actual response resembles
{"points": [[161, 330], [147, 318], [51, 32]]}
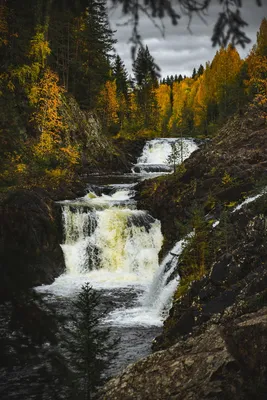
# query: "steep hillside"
{"points": [[213, 344], [220, 174]]}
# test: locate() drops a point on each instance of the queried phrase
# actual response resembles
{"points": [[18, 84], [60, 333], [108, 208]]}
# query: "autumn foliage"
{"points": [[49, 55]]}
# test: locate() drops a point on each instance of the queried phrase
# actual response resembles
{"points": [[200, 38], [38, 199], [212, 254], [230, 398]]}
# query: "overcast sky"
{"points": [[180, 51]]}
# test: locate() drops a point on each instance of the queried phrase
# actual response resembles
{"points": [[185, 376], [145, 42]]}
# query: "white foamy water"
{"points": [[250, 199], [154, 158], [113, 246], [157, 297]]}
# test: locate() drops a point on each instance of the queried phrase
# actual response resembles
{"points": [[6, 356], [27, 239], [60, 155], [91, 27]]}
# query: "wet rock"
{"points": [[220, 269], [30, 237], [218, 364], [220, 303]]}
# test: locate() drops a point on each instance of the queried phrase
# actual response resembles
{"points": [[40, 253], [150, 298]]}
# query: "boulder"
{"points": [[218, 364]]}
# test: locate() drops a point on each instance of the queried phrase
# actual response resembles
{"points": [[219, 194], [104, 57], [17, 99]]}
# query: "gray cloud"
{"points": [[181, 50]]}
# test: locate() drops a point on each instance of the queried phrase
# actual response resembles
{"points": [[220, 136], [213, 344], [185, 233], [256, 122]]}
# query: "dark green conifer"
{"points": [[90, 346], [121, 76], [145, 70], [200, 70]]}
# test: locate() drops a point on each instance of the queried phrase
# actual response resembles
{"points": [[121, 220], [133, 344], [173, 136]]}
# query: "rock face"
{"points": [[213, 344], [236, 281], [99, 153], [30, 237], [220, 363], [222, 171]]}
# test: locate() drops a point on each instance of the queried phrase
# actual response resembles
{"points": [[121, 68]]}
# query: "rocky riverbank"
{"points": [[213, 344]]}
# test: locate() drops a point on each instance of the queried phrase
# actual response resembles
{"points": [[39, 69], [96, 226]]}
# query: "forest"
{"points": [[58, 59]]}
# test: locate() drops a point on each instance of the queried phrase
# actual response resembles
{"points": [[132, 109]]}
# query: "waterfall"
{"points": [[154, 157], [102, 236], [161, 289], [156, 301], [115, 247], [250, 199]]}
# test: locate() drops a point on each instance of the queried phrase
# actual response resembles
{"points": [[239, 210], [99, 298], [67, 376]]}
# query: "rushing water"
{"points": [[115, 247]]}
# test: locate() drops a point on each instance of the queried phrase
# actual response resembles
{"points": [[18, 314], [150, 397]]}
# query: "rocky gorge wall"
{"points": [[213, 344], [30, 237]]}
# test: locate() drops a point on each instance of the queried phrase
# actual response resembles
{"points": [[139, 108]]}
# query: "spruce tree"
{"points": [[200, 70], [121, 77], [145, 70], [89, 346], [82, 43], [146, 77]]}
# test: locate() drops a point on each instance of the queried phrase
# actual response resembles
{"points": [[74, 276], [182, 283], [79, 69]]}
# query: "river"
{"points": [[114, 246]]}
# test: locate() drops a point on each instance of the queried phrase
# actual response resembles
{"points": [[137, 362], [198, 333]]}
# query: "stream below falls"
{"points": [[115, 247]]}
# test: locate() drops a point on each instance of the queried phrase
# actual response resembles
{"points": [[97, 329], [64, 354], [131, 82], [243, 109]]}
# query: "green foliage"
{"points": [[195, 258], [224, 233], [177, 155], [146, 73], [121, 77], [145, 69], [227, 180], [90, 346], [81, 46]]}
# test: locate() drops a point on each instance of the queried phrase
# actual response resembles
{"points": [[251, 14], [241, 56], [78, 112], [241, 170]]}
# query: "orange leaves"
{"points": [[71, 154], [108, 103], [45, 96]]}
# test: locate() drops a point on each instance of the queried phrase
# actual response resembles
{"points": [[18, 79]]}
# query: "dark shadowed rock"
{"points": [[218, 364], [30, 237]]}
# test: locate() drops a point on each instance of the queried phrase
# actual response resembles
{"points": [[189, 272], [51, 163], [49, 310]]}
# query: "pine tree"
{"points": [[146, 74], [81, 44], [121, 76], [200, 70], [145, 70], [194, 73], [90, 346]]}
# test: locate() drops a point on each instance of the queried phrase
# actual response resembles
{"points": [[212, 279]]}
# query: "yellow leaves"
{"points": [[180, 95], [39, 47], [45, 145], [163, 96], [21, 168], [227, 179], [108, 103], [54, 177], [46, 97], [133, 103], [71, 154], [257, 82]]}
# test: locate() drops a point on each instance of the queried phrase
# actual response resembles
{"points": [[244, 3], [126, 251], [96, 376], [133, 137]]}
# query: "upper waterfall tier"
{"points": [[156, 153]]}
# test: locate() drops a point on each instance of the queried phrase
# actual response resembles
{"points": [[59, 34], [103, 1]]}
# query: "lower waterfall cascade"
{"points": [[115, 247]]}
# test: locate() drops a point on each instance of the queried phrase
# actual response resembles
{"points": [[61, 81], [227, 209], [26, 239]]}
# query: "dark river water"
{"points": [[114, 247]]}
